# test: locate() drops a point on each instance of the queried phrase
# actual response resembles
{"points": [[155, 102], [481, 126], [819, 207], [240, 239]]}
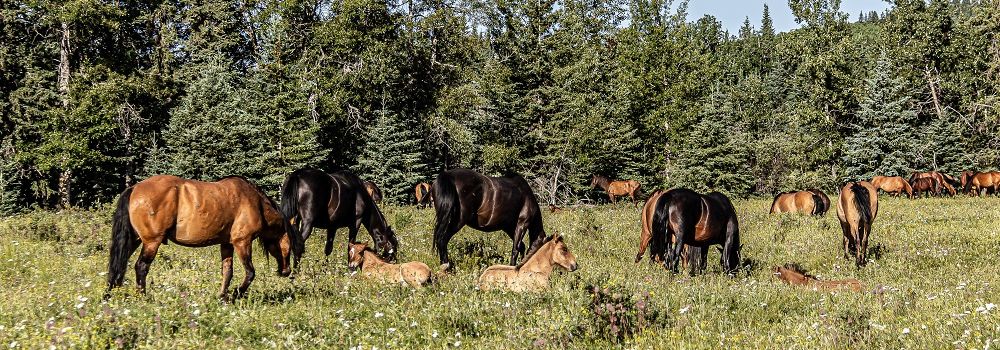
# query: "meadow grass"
{"points": [[932, 283]]}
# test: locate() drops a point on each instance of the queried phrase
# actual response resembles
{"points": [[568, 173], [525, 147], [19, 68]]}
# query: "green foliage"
{"points": [[391, 158]]}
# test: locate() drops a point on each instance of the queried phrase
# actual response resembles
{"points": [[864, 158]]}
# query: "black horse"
{"points": [[314, 199], [464, 197], [699, 221]]}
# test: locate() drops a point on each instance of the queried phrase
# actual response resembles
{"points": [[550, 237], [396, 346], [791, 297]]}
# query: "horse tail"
{"points": [[817, 204], [908, 189], [658, 231], [124, 241], [289, 197], [861, 202], [446, 207]]}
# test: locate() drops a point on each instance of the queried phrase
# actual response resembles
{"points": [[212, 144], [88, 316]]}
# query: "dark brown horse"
{"points": [[423, 193], [925, 186], [699, 221], [314, 199], [856, 210], [618, 188], [230, 213], [373, 191], [658, 250], [893, 185], [464, 197], [940, 181]]}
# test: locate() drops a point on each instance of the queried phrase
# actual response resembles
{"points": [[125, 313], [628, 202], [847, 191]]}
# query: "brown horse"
{"points": [[373, 191], [618, 188], [699, 221], [983, 183], [794, 275], [806, 202], [895, 185], [966, 177], [423, 194], [230, 213], [415, 274], [532, 275], [925, 186], [465, 197], [856, 209], [657, 251], [940, 181]]}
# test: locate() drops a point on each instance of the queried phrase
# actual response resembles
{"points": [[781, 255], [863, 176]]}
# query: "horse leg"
{"points": [[517, 248], [226, 251], [862, 246], [142, 264], [243, 250], [442, 247], [306, 229]]}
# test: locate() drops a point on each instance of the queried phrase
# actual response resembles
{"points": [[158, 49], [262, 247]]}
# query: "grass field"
{"points": [[933, 283]]}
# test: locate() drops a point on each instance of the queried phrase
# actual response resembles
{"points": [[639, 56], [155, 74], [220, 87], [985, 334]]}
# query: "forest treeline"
{"points": [[98, 94]]}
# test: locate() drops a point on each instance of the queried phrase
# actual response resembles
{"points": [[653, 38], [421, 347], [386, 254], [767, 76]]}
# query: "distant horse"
{"points": [[895, 185], [940, 181], [805, 202], [983, 183], [966, 177], [856, 210], [794, 275], [823, 200], [315, 199], [617, 188], [415, 274], [465, 197], [657, 250], [373, 191], [925, 186], [231, 213], [532, 275], [423, 193], [699, 221]]}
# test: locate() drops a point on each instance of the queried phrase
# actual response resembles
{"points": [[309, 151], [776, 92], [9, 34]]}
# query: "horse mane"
{"points": [[535, 246]]}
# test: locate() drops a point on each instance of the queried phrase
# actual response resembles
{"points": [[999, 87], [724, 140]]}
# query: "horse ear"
{"points": [[352, 251]]}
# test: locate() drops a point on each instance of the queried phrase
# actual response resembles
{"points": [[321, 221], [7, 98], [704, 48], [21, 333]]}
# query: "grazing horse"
{"points": [[895, 185], [940, 181], [373, 191], [230, 213], [657, 250], [983, 183], [823, 199], [794, 275], [315, 199], [423, 194], [856, 210], [966, 177], [465, 197], [532, 275], [699, 221], [617, 188], [415, 274], [925, 186], [806, 202]]}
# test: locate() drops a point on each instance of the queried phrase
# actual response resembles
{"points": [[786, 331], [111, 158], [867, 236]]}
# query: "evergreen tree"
{"points": [[714, 156], [391, 157]]}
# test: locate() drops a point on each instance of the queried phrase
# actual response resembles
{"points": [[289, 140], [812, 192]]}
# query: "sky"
{"points": [[732, 12]]}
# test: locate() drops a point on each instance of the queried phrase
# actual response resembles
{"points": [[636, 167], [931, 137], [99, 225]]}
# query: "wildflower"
{"points": [[434, 334], [906, 330], [685, 309], [378, 314]]}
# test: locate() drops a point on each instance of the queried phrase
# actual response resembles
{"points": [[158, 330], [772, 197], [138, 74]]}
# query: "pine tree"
{"points": [[391, 157], [715, 156]]}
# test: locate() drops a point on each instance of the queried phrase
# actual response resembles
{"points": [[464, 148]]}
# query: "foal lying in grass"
{"points": [[415, 273], [794, 275], [533, 273]]}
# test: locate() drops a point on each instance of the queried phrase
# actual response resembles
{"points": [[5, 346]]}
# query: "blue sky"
{"points": [[732, 12]]}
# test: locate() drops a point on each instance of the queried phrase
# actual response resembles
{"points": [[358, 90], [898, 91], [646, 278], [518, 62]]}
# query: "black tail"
{"points": [[290, 197], [658, 230], [124, 241], [424, 196], [446, 206], [861, 202], [818, 206]]}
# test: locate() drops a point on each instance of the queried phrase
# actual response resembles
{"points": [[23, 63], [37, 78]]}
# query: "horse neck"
{"points": [[373, 219], [539, 262], [797, 278], [602, 182], [372, 261]]}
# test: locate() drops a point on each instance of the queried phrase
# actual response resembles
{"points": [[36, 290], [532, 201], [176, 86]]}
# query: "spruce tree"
{"points": [[714, 155], [391, 157]]}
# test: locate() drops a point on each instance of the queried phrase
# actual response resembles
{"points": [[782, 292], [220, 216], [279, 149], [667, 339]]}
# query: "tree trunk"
{"points": [[65, 51], [64, 189], [934, 94]]}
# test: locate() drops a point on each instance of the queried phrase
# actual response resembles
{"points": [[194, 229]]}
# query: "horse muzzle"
{"points": [[573, 267]]}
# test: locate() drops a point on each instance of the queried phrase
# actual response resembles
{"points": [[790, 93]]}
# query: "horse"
{"points": [[315, 199], [823, 199], [415, 274], [983, 183], [699, 221], [924, 186], [617, 188], [230, 213], [965, 177], [423, 194], [657, 250], [466, 198], [373, 191], [856, 209], [533, 273], [805, 202], [939, 179], [893, 185], [794, 275]]}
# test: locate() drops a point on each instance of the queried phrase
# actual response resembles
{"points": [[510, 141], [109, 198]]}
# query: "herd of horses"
{"points": [[933, 183], [678, 225]]}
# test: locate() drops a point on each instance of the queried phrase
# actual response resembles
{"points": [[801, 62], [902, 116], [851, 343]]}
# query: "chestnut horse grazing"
{"points": [[657, 250], [940, 181], [794, 275], [983, 183], [856, 209], [533, 273], [373, 191], [464, 197], [699, 221], [806, 202], [925, 186], [966, 177], [617, 188], [315, 199], [416, 274], [230, 213], [423, 194], [895, 185]]}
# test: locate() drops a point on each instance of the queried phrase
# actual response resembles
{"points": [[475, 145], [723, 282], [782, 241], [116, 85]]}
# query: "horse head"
{"points": [[561, 255]]}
